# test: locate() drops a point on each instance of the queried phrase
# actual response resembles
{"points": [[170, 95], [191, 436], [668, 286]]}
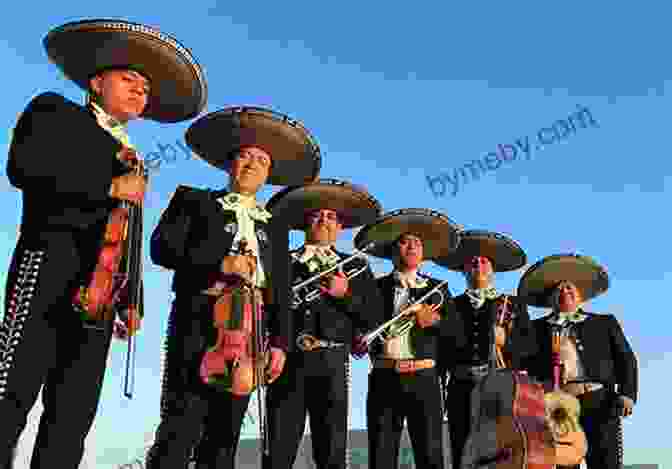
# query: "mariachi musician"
{"points": [[227, 332], [497, 327], [404, 383], [77, 171], [598, 365], [335, 300]]}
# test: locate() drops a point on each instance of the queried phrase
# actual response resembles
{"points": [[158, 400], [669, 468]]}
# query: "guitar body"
{"points": [[509, 429]]}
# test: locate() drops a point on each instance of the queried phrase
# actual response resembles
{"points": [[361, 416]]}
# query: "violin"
{"points": [[504, 320], [115, 285], [237, 361]]}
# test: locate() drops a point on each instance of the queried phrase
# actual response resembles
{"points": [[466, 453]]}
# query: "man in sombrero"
{"points": [[497, 327], [404, 383], [211, 239], [343, 305], [66, 160], [599, 366]]}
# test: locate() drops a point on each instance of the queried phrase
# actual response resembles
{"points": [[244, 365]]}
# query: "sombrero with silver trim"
{"points": [[353, 203], [296, 156], [81, 49], [539, 281], [439, 234], [504, 253]]}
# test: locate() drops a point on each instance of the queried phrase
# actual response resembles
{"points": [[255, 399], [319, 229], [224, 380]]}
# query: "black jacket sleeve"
{"points": [[49, 154], [625, 361], [521, 343], [364, 303], [169, 238]]}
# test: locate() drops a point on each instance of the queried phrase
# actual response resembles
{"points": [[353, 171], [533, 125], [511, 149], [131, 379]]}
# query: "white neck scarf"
{"points": [[478, 296], [247, 211]]}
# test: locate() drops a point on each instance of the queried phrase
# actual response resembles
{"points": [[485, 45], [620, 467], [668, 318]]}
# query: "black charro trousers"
{"points": [[43, 342], [194, 416], [393, 397], [316, 384]]}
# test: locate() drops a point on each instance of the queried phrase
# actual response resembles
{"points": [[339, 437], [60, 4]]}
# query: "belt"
{"points": [[403, 366], [576, 389], [308, 343], [469, 372]]}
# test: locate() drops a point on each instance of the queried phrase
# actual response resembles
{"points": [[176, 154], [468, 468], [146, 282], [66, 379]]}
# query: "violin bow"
{"points": [[259, 352], [135, 305]]}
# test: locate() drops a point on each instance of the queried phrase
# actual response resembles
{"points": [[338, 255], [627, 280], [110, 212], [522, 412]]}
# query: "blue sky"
{"points": [[396, 93]]}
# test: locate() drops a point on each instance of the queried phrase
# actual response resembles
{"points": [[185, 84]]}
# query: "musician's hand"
{"points": [[359, 347], [426, 315], [500, 336], [628, 404], [129, 187], [121, 329], [276, 364], [240, 266], [337, 285]]}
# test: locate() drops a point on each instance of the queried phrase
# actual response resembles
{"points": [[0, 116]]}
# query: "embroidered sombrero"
{"points": [[353, 203], [439, 234], [504, 253], [295, 154], [539, 281], [178, 89]]}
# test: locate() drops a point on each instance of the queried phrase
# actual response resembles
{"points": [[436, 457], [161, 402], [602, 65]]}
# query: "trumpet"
{"points": [[314, 293], [402, 322]]}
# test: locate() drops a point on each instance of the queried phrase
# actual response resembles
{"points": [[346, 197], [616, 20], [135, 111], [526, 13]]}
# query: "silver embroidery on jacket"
{"points": [[11, 329]]}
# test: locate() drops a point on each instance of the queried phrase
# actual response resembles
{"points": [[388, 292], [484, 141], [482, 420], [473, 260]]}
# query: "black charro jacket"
{"points": [[447, 334], [602, 347], [338, 320], [193, 236], [479, 329], [63, 162]]}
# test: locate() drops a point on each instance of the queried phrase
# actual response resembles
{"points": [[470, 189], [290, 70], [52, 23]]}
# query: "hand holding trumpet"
{"points": [[336, 285], [425, 315]]}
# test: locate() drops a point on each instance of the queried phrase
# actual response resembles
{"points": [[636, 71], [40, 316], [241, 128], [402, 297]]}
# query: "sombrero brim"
{"points": [[296, 156], [354, 203], [504, 253], [539, 281], [439, 234], [178, 89]]}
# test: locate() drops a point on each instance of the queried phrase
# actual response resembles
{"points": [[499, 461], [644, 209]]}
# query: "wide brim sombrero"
{"points": [[504, 253], [295, 154], [81, 49], [354, 204], [538, 282], [439, 234]]}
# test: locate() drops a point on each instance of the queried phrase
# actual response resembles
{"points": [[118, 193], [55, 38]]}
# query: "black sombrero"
{"points": [[439, 234], [353, 203], [296, 156], [83, 48], [539, 281], [504, 253]]}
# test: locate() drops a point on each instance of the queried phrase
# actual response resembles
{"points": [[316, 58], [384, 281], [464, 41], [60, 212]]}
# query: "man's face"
{"points": [[479, 267], [410, 251], [324, 227], [123, 93], [569, 296], [249, 170]]}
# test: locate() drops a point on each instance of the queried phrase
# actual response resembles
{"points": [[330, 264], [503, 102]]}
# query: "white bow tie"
{"points": [[478, 296], [410, 279], [324, 254]]}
